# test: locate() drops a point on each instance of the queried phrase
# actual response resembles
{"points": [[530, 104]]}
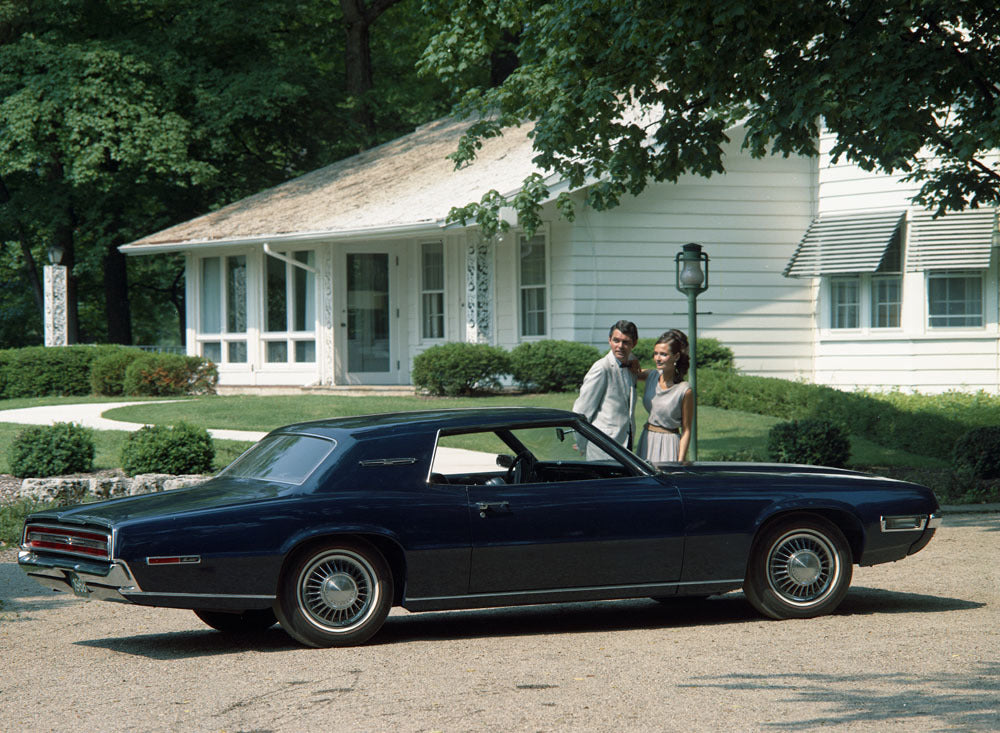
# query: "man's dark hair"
{"points": [[626, 327]]}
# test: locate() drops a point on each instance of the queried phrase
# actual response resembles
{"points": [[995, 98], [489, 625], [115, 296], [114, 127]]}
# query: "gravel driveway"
{"points": [[914, 647]]}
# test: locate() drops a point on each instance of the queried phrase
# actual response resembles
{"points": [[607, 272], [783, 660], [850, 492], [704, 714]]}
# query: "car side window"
{"points": [[520, 456]]}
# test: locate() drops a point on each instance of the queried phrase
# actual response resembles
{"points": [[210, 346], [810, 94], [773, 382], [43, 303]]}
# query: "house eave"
{"points": [[396, 230]]}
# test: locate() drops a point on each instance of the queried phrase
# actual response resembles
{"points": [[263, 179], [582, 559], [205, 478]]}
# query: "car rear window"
{"points": [[286, 457]]}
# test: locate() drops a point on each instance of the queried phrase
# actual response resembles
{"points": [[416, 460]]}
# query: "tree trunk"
{"points": [[358, 20], [116, 303]]}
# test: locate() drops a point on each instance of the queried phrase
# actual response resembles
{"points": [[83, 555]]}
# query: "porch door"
{"points": [[369, 316]]}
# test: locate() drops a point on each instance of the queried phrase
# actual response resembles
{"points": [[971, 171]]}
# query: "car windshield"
{"points": [[286, 457]]}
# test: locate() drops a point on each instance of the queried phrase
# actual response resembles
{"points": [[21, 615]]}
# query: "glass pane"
{"points": [[305, 351], [211, 295], [305, 293], [533, 312], [886, 302], [533, 261], [433, 255], [212, 350], [285, 458], [433, 309], [236, 295], [237, 352], [277, 297], [955, 301], [368, 312], [277, 352], [844, 303]]}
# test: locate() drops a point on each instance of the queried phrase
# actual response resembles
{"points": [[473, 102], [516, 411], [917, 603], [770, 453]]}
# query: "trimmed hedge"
{"points": [[52, 450], [158, 375], [552, 366], [39, 371], [917, 424], [107, 372], [460, 368], [812, 441], [180, 449], [977, 453]]}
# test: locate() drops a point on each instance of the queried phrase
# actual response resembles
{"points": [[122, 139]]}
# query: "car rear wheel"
{"points": [[799, 568], [335, 595], [240, 622]]}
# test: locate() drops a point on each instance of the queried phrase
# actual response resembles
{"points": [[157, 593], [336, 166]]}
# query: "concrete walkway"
{"points": [[92, 416]]}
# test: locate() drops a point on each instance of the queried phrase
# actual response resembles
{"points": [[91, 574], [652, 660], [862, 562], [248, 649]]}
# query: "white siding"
{"points": [[620, 263]]}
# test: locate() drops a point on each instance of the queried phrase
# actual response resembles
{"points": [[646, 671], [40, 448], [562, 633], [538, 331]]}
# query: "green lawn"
{"points": [[721, 433]]}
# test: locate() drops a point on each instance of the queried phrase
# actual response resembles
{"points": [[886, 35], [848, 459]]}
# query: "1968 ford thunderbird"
{"points": [[324, 526]]}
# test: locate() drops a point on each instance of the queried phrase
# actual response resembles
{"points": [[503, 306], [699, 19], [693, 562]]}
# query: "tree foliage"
{"points": [[121, 117], [625, 93]]}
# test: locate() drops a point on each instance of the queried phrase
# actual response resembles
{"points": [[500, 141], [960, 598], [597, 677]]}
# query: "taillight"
{"points": [[48, 538]]}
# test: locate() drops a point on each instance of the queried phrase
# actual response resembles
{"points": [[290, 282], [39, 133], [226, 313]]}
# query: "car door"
{"points": [[575, 533]]}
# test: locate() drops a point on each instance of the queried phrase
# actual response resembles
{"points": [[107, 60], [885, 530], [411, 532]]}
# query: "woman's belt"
{"points": [[657, 429]]}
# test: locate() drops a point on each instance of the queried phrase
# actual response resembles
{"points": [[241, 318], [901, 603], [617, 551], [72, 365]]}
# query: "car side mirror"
{"points": [[561, 434], [505, 461]]}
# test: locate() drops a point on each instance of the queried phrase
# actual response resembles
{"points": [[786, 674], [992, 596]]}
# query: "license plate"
{"points": [[78, 586]]}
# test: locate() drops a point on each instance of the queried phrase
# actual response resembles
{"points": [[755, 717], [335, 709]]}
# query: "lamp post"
{"points": [[692, 281]]}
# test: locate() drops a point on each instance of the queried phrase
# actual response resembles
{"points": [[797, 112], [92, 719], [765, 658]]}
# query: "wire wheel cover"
{"points": [[337, 591], [803, 567]]}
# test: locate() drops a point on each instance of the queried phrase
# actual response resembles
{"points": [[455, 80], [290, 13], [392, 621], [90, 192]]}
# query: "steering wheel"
{"points": [[520, 470]]}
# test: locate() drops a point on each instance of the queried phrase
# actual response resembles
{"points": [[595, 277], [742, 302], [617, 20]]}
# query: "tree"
{"points": [[630, 92], [121, 118]]}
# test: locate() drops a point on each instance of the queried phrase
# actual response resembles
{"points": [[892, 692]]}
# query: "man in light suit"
{"points": [[608, 394]]}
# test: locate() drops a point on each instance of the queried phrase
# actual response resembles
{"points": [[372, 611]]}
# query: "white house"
{"points": [[818, 271]]}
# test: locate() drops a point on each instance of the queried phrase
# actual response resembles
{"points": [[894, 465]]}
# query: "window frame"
{"points": [[441, 293], [545, 287], [967, 275], [228, 340], [290, 337]]}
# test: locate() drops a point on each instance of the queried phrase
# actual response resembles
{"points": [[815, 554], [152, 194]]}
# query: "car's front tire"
{"points": [[241, 622], [800, 567], [336, 594]]}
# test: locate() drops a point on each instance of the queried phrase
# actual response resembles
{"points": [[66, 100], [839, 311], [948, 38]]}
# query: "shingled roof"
{"points": [[408, 183]]}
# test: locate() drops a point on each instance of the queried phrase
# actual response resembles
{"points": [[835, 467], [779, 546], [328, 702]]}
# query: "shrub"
{"points": [[812, 441], [107, 372], [977, 453], [552, 366], [39, 371], [180, 449], [913, 425], [52, 450], [711, 354], [170, 374], [459, 368]]}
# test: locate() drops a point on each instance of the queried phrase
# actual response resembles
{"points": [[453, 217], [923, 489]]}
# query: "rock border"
{"points": [[72, 490]]}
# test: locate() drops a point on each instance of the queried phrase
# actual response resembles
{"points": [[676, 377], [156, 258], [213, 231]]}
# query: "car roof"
{"points": [[421, 421]]}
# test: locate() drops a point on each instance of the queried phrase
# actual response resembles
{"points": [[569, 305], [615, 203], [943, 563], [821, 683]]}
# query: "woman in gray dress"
{"points": [[669, 401]]}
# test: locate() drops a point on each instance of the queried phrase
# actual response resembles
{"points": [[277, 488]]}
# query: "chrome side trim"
{"points": [[130, 593], [934, 521], [650, 587]]}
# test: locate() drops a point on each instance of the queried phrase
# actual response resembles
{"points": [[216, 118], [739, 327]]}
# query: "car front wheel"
{"points": [[335, 595], [799, 567]]}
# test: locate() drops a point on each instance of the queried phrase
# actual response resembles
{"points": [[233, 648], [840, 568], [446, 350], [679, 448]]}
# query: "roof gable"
{"points": [[407, 182]]}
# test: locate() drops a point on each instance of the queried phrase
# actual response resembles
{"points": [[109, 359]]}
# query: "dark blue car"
{"points": [[324, 526]]}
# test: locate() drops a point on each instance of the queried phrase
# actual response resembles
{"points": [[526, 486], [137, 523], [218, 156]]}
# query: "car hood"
{"points": [[216, 493]]}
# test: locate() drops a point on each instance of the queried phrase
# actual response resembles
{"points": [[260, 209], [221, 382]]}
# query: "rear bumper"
{"points": [[88, 580]]}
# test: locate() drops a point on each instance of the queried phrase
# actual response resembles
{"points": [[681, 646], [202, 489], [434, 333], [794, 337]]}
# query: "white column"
{"points": [[479, 290], [56, 327]]}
